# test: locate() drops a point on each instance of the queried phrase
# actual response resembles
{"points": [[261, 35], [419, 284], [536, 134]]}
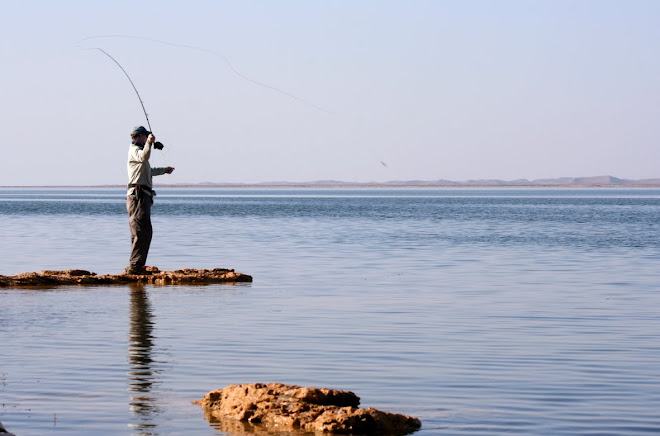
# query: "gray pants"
{"points": [[139, 219]]}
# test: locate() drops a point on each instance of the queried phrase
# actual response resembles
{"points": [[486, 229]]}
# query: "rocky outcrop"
{"points": [[154, 276], [258, 408]]}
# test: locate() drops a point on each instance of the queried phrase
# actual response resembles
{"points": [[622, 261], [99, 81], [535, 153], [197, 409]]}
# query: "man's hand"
{"points": [[169, 170], [151, 138]]}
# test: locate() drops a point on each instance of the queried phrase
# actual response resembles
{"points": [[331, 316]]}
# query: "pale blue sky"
{"points": [[436, 89]]}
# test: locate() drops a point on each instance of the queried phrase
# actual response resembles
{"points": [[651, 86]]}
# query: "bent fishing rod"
{"points": [[158, 145]]}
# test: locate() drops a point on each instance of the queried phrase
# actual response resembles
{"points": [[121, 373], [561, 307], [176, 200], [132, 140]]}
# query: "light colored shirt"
{"points": [[139, 170]]}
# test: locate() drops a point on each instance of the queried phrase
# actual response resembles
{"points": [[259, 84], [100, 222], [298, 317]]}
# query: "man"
{"points": [[140, 196]]}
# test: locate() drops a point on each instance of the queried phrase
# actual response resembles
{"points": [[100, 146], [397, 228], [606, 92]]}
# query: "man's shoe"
{"points": [[137, 270]]}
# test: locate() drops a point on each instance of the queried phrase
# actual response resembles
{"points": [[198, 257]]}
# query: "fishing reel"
{"points": [[158, 145]]}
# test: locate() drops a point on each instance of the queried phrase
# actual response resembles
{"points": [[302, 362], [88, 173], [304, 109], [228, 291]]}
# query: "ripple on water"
{"points": [[482, 312]]}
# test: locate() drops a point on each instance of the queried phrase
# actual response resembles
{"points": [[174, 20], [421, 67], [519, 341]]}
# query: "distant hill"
{"points": [[609, 181], [560, 181]]}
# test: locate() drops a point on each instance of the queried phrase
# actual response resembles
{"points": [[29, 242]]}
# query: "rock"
{"points": [[258, 408], [155, 276], [4, 432]]}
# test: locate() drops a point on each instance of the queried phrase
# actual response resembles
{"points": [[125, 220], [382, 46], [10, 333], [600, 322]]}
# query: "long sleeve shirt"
{"points": [[139, 170]]}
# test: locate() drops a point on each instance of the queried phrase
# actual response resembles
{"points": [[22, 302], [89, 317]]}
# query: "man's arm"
{"points": [[160, 171], [144, 154]]}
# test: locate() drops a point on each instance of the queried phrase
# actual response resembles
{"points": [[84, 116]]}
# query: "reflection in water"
{"points": [[240, 428], [141, 376]]}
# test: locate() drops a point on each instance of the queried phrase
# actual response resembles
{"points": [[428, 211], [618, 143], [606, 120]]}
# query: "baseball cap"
{"points": [[138, 130]]}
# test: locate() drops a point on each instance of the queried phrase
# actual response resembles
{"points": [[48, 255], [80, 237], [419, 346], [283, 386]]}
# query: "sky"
{"points": [[367, 91]]}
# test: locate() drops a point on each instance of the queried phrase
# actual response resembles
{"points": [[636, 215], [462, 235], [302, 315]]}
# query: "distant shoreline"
{"points": [[344, 185], [560, 182]]}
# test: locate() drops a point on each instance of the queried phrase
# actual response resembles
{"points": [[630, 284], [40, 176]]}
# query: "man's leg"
{"points": [[139, 218]]}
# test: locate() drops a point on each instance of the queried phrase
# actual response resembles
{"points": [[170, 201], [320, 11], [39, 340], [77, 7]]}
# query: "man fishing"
{"points": [[140, 196]]}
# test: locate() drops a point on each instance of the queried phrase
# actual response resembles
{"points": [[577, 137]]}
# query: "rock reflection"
{"points": [[141, 377], [240, 428]]}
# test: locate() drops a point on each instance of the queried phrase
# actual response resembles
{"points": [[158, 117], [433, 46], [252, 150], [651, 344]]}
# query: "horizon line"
{"points": [[592, 181]]}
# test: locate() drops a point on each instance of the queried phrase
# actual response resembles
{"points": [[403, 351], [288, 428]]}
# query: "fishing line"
{"points": [[214, 53]]}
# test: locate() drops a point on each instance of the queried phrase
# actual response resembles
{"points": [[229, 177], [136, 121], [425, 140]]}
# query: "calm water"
{"points": [[498, 311]]}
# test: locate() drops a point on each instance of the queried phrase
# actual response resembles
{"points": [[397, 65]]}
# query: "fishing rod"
{"points": [[158, 145]]}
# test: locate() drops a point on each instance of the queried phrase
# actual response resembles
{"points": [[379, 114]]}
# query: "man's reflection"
{"points": [[141, 376]]}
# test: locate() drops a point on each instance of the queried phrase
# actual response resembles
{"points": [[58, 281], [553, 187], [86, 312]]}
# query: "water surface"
{"points": [[481, 311]]}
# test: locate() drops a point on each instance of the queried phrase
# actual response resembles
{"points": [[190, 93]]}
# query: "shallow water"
{"points": [[481, 311]]}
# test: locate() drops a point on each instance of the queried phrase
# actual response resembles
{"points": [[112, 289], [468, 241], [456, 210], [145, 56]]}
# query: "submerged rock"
{"points": [[154, 276], [4, 432], [258, 408]]}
